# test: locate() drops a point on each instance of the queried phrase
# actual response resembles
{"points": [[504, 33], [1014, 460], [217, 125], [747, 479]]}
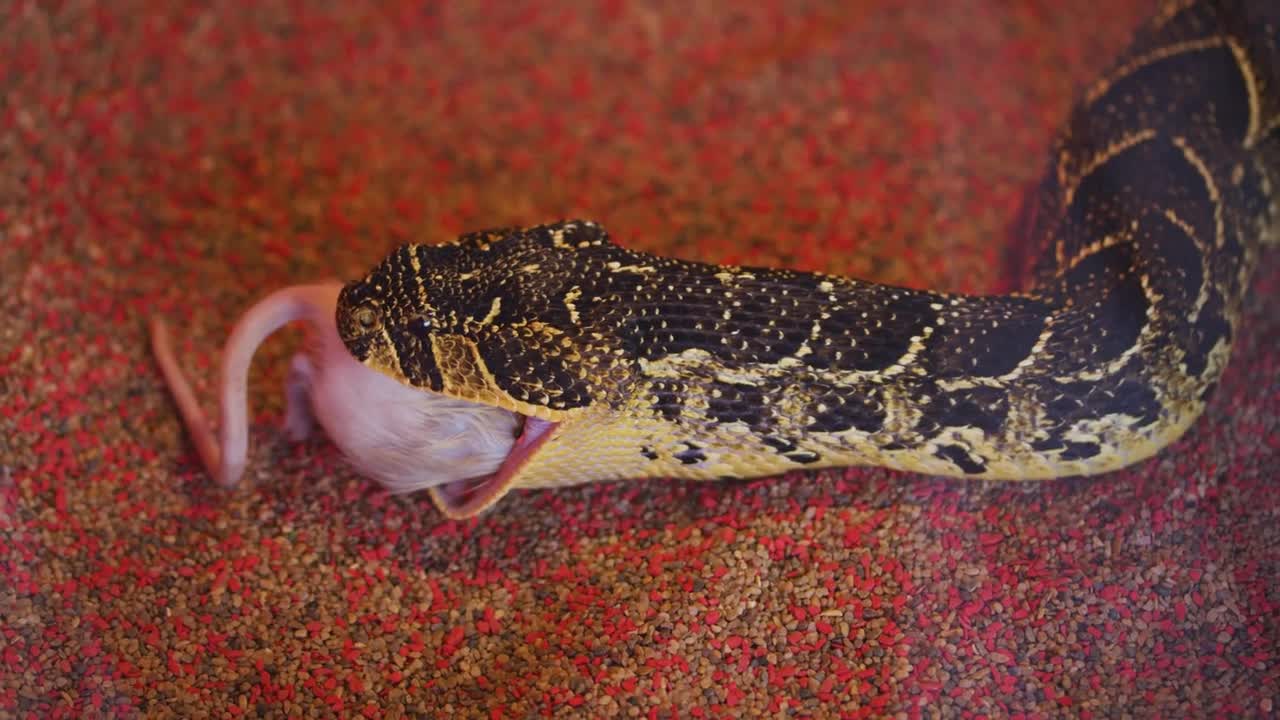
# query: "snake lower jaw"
{"points": [[462, 499]]}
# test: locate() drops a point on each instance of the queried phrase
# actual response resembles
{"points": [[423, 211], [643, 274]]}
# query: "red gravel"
{"points": [[188, 161]]}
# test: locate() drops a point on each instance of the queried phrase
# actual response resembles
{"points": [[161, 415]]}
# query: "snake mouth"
{"points": [[463, 499]]}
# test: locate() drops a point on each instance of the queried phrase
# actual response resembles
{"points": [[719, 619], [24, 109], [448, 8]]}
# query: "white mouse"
{"points": [[405, 438]]}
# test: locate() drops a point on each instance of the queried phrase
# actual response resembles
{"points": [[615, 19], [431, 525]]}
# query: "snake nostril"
{"points": [[420, 326]]}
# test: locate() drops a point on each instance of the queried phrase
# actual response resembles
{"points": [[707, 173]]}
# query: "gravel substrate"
{"points": [[186, 160]]}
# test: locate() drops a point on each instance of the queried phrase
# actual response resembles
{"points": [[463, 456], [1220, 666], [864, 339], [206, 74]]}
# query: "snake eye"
{"points": [[366, 317]]}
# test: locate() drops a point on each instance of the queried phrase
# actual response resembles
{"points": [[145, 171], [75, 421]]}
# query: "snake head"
{"points": [[507, 318], [386, 322], [482, 320], [512, 317]]}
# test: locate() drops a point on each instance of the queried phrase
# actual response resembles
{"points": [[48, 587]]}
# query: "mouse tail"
{"points": [[224, 454], [188, 406]]}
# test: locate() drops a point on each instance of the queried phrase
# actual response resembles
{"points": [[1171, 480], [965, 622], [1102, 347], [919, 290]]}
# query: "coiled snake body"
{"points": [[1160, 193]]}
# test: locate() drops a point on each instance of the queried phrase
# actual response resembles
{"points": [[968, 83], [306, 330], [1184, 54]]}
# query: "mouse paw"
{"points": [[299, 418]]}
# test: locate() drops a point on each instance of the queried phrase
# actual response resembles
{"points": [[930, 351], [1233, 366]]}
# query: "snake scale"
{"points": [[1160, 192]]}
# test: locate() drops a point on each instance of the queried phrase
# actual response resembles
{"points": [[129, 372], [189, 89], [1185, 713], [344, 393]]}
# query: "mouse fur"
{"points": [[405, 438]]}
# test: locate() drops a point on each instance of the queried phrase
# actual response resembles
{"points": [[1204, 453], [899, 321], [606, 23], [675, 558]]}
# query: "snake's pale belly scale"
{"points": [[1161, 192]]}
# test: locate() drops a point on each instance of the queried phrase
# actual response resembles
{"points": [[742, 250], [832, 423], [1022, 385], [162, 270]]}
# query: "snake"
{"points": [[1161, 190]]}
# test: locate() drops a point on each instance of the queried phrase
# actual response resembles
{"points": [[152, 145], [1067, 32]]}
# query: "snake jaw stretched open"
{"points": [[1161, 191], [467, 498]]}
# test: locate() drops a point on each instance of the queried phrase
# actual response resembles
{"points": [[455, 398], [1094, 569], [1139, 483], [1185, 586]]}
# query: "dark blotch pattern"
{"points": [[872, 333], [692, 454], [668, 398], [960, 457], [842, 409], [1119, 318], [417, 361], [1204, 85], [1080, 451], [736, 402], [782, 446], [989, 342], [1182, 262], [675, 329], [1071, 450], [804, 457], [1053, 442], [1069, 403], [681, 306], [768, 334], [979, 407], [1116, 316], [1140, 183], [527, 371], [791, 451]]}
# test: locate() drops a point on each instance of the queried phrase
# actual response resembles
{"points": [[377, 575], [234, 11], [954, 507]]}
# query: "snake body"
{"points": [[1160, 192]]}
